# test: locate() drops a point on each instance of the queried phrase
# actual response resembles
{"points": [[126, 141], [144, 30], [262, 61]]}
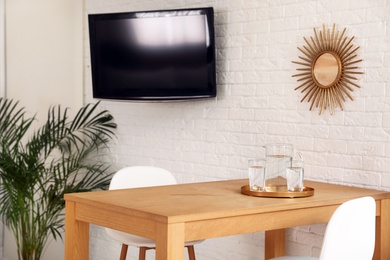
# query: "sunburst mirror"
{"points": [[327, 71]]}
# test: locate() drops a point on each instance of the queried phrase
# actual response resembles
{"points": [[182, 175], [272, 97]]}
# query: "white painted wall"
{"points": [[44, 53], [256, 104], [2, 48], [44, 58], [2, 88]]}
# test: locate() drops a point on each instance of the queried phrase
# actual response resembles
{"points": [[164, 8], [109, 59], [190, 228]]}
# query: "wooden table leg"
{"points": [[382, 239], [170, 241], [76, 235], [274, 243]]}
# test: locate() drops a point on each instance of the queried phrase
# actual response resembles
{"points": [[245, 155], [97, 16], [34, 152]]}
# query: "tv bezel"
{"points": [[99, 93]]}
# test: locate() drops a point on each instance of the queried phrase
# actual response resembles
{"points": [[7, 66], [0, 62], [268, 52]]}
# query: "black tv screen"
{"points": [[153, 55]]}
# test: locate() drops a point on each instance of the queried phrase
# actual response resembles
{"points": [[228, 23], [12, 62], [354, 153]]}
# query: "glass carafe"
{"points": [[278, 159]]}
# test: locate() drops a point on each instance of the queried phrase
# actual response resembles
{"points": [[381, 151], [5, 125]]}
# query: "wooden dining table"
{"points": [[174, 214]]}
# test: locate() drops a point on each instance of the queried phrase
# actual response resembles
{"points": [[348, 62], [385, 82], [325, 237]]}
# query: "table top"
{"points": [[208, 200]]}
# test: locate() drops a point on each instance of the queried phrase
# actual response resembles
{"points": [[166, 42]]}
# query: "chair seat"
{"points": [[350, 233], [142, 176], [138, 241]]}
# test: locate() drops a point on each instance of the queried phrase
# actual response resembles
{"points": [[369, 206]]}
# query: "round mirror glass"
{"points": [[326, 69]]}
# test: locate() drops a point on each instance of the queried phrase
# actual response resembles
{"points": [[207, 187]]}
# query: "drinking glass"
{"points": [[295, 175], [256, 172]]}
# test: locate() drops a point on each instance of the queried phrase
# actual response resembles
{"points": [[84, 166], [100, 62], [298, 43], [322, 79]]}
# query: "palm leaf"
{"points": [[13, 126], [56, 159]]}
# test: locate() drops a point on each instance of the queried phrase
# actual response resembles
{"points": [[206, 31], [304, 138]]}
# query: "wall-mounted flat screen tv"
{"points": [[153, 55]]}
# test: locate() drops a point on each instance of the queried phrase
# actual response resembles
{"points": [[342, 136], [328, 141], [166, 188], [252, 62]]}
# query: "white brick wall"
{"points": [[256, 104]]}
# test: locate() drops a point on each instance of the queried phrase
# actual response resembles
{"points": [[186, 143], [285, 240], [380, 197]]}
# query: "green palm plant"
{"points": [[37, 170]]}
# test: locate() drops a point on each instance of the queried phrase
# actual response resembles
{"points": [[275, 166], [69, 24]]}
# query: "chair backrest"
{"points": [[350, 233], [141, 176]]}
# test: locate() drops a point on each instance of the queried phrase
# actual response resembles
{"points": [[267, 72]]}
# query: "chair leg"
{"points": [[123, 252], [142, 252], [191, 252]]}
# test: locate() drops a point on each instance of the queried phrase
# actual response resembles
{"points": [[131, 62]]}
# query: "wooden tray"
{"points": [[307, 192]]}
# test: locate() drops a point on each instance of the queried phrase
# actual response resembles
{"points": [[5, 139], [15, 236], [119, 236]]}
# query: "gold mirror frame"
{"points": [[328, 69]]}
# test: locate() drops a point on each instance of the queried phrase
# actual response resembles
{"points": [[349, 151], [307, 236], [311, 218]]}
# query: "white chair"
{"points": [[350, 234], [141, 176]]}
